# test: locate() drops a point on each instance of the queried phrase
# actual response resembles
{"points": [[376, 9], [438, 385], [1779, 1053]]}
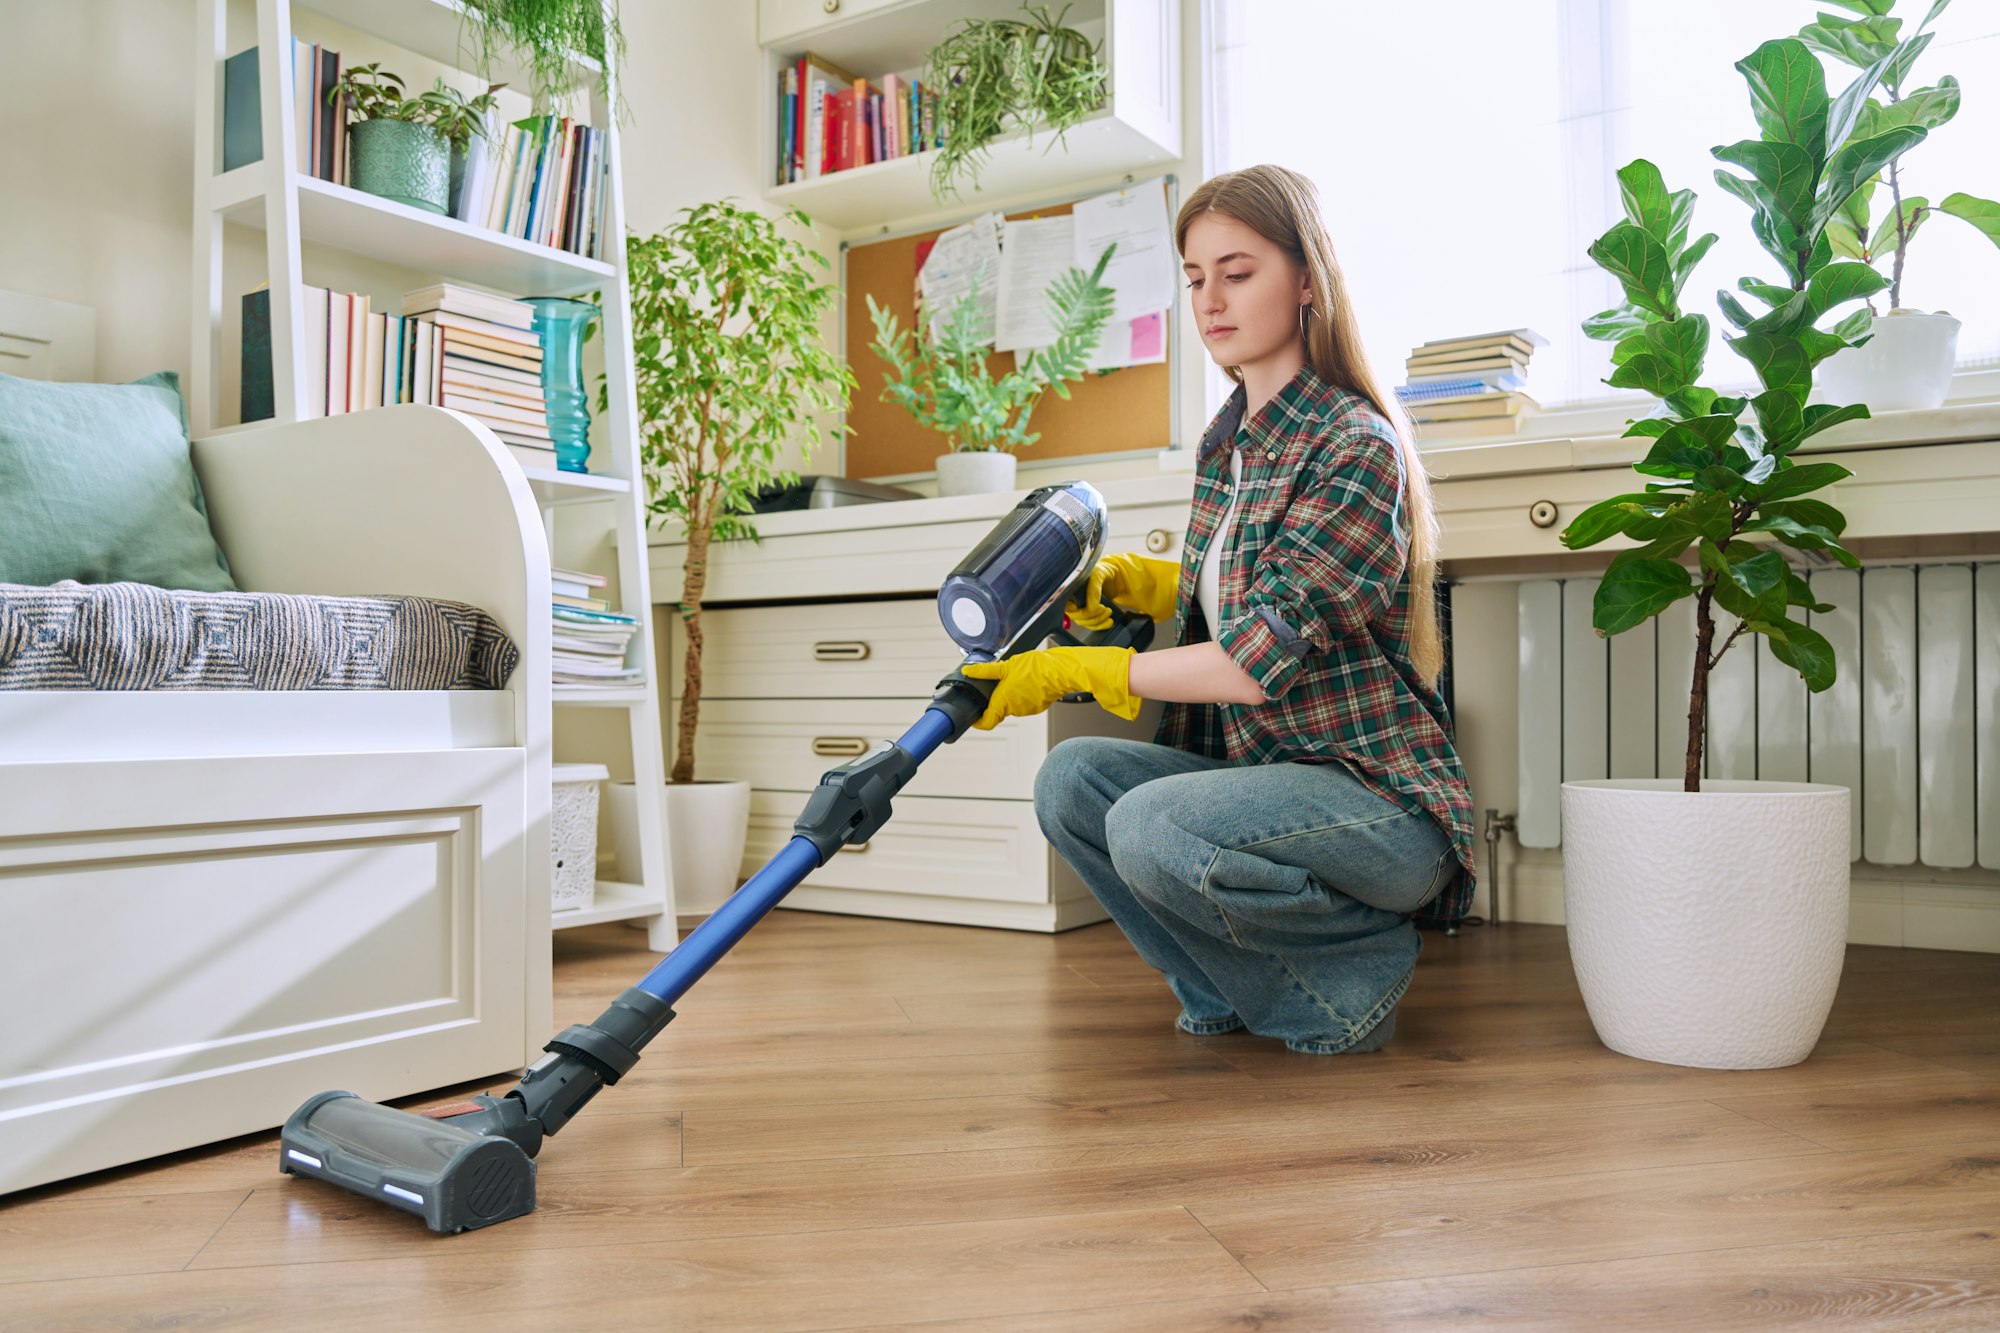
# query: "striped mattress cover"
{"points": [[132, 636]]}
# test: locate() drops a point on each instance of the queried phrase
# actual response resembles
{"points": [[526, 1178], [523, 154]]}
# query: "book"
{"points": [[256, 400], [532, 419], [504, 337], [1460, 381], [1527, 338], [1476, 405], [1508, 425], [467, 350], [456, 362], [582, 576], [480, 386], [587, 603], [1472, 364], [471, 303]]}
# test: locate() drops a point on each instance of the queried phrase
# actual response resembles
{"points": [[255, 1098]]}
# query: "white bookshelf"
{"points": [[1137, 131], [292, 207]]}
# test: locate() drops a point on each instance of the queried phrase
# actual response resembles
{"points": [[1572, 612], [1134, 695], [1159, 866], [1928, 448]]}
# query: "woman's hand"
{"points": [[1030, 682], [1139, 583]]}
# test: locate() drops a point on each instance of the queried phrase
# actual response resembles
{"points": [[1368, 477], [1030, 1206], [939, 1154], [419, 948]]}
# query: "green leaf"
{"points": [[1847, 107], [1733, 308], [1640, 264], [1615, 323], [1684, 263], [1648, 205], [1915, 211], [1636, 591], [1865, 7], [1844, 239], [1680, 344], [1810, 513], [1607, 518], [1855, 326], [1752, 589], [1780, 362], [1927, 107], [1857, 42], [1781, 416], [1800, 478], [1804, 536], [1839, 283], [1709, 515], [1801, 648], [1693, 401], [1906, 55], [1821, 416], [1981, 213], [1856, 162], [1648, 372], [1787, 93], [1783, 174]]}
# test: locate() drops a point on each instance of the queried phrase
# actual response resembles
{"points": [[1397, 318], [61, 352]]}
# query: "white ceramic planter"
{"points": [[707, 824], [708, 821], [1906, 363], [974, 473], [1707, 928]]}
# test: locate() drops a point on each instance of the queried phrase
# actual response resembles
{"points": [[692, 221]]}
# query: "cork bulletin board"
{"points": [[1107, 412]]}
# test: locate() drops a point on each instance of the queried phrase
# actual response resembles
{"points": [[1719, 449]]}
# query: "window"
{"points": [[1465, 154]]}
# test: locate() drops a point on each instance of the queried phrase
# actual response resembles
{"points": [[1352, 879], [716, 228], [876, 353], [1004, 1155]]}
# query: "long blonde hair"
{"points": [[1283, 207]]}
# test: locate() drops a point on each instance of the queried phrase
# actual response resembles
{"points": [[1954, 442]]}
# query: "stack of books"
{"points": [[451, 347], [1475, 382], [831, 120], [590, 640], [489, 364]]}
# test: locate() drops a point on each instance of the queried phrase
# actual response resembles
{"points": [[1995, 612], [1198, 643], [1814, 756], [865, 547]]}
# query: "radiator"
{"points": [[1911, 724]]}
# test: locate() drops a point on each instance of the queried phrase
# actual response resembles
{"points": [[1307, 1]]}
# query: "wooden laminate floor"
{"points": [[861, 1123]]}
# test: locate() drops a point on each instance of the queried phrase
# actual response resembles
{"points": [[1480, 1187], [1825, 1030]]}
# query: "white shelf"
{"points": [[552, 486], [440, 30], [614, 902], [589, 698], [366, 224], [893, 36], [883, 194]]}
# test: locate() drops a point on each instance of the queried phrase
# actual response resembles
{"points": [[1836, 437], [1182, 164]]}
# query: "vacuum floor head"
{"points": [[451, 1177]]}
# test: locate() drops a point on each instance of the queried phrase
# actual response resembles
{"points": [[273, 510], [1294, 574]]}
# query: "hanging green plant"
{"points": [[994, 73], [542, 35]]}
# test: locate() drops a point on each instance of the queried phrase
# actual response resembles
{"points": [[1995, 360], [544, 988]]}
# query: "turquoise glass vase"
{"points": [[561, 323]]}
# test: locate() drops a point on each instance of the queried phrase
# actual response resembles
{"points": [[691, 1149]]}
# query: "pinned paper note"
{"points": [[1142, 272], [963, 262], [1037, 251]]}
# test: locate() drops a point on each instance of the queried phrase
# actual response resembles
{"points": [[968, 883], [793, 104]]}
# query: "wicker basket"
{"points": [[573, 835]]}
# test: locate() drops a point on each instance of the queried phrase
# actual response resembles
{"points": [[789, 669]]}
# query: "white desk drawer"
{"points": [[933, 845], [831, 650], [786, 744]]}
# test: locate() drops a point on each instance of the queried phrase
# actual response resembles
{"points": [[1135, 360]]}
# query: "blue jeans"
{"points": [[1272, 896]]}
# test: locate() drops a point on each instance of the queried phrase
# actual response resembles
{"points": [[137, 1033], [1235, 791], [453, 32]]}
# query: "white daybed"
{"points": [[216, 903]]}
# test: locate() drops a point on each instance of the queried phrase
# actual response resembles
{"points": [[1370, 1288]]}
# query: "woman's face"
{"points": [[1244, 291]]}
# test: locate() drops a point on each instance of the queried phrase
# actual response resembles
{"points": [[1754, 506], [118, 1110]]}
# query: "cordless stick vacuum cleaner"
{"points": [[471, 1164]]}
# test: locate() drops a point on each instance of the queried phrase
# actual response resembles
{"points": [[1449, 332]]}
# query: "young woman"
{"points": [[1302, 796]]}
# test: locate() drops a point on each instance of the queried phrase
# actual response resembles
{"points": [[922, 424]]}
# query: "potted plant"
{"points": [[401, 145], [1909, 360], [993, 75], [948, 386], [730, 367], [544, 35], [1708, 922]]}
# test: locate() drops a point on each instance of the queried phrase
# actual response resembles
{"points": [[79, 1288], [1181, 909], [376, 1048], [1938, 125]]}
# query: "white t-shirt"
{"points": [[1208, 578]]}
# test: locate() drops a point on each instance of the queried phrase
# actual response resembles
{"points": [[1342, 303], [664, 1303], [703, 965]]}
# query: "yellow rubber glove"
{"points": [[1136, 582], [1030, 682]]}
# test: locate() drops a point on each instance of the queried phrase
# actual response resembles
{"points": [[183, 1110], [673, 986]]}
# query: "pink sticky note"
{"points": [[1149, 333]]}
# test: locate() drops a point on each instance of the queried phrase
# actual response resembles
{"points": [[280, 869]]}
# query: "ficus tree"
{"points": [[1728, 487], [730, 368]]}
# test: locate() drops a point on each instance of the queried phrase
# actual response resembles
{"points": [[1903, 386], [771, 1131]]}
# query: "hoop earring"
{"points": [[1305, 311]]}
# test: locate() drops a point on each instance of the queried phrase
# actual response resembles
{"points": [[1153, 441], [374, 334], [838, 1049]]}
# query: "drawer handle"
{"points": [[840, 650], [839, 745], [861, 846], [1158, 540]]}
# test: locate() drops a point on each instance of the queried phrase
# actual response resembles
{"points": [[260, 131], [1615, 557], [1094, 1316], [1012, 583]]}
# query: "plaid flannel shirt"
{"points": [[1314, 606]]}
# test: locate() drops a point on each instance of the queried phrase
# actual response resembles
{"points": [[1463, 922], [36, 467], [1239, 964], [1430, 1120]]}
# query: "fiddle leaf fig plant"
{"points": [[730, 367], [1871, 40], [948, 386], [1728, 485]]}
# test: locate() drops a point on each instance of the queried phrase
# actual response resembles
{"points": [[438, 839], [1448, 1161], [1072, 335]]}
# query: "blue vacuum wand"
{"points": [[471, 1164]]}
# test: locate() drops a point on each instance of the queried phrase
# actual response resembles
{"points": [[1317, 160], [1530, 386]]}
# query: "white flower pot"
{"points": [[1906, 363], [975, 473], [1707, 928], [707, 824]]}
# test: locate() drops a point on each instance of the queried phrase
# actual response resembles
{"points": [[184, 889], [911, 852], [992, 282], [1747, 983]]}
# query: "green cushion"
{"points": [[96, 485]]}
